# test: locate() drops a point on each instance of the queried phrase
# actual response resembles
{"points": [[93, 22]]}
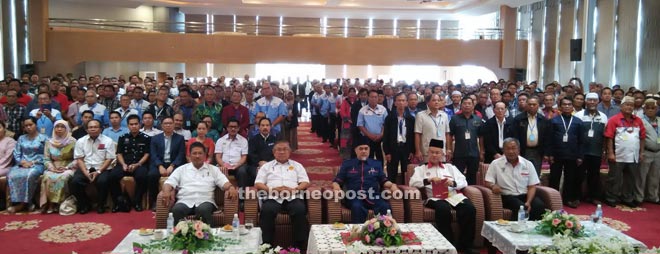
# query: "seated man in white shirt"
{"points": [[284, 180], [196, 182], [231, 152], [436, 174], [515, 178], [93, 154]]}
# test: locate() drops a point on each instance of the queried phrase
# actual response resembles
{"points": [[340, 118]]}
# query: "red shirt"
{"points": [[24, 100], [63, 101], [627, 136], [241, 114]]}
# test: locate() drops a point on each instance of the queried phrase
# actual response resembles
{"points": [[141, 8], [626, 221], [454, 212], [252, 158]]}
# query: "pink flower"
{"points": [[198, 226], [569, 224], [392, 231], [199, 234], [283, 251], [387, 223], [556, 222], [367, 239], [137, 250]]}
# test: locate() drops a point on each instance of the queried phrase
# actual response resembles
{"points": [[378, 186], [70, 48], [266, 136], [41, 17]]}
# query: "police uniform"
{"points": [[132, 148], [357, 175]]}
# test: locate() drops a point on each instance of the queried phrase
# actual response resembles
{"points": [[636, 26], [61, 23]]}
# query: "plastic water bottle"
{"points": [[389, 213], [235, 223], [599, 213], [170, 223], [521, 214]]}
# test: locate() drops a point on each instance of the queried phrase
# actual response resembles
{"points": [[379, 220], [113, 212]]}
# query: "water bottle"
{"points": [[170, 223], [521, 214], [235, 223], [599, 213], [389, 213]]}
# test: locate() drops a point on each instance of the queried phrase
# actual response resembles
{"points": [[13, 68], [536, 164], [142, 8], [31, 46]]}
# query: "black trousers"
{"points": [[297, 212], [203, 211], [513, 203], [245, 175], [106, 181], [375, 149], [468, 166], [146, 180], [591, 165], [331, 130], [399, 156], [572, 178], [466, 215]]}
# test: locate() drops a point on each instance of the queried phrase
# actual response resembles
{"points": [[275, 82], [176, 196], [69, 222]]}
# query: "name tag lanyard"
{"points": [[437, 124], [565, 139], [531, 129]]}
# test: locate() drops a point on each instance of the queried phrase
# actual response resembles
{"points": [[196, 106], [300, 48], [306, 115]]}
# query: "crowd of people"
{"points": [[60, 134]]}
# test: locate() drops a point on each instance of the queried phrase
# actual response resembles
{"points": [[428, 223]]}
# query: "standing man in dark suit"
{"points": [[533, 131], [363, 95], [494, 132], [398, 138], [260, 151], [167, 150]]}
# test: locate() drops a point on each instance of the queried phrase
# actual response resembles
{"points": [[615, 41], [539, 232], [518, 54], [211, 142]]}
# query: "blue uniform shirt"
{"points": [[372, 118], [356, 175], [115, 134], [273, 109]]}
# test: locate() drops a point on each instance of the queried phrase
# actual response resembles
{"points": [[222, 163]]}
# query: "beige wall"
{"points": [[67, 51]]}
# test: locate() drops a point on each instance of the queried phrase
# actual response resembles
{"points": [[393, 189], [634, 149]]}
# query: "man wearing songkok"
{"points": [[443, 184], [363, 174]]}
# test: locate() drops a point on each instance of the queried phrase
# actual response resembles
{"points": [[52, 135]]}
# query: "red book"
{"points": [[440, 189]]}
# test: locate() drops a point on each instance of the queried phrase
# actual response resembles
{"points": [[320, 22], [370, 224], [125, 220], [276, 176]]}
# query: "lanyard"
{"points": [[530, 126], [437, 124], [500, 128], [628, 128], [657, 130], [569, 124]]}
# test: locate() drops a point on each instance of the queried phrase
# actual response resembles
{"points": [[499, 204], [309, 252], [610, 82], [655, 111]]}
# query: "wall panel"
{"points": [[649, 59], [626, 50], [604, 65], [566, 29], [550, 47], [535, 41]]}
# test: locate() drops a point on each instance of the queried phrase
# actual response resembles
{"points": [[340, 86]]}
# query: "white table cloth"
{"points": [[325, 240], [509, 242], [249, 242]]}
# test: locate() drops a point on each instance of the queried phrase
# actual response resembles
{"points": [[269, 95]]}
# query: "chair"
{"points": [[494, 209], [418, 213], [336, 212], [283, 226], [223, 216]]}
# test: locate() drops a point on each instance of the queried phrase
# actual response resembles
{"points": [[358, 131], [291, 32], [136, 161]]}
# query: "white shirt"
{"points": [[512, 180], [140, 106], [151, 132], [95, 152], [430, 126], [449, 171], [185, 133], [98, 109], [126, 112], [231, 149], [275, 174], [196, 186]]}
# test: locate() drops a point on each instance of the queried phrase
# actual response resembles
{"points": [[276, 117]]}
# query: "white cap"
{"points": [[591, 96], [456, 93]]}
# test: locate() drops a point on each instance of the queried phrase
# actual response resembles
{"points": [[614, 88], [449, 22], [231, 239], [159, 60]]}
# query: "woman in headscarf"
{"points": [[7, 145], [23, 178], [58, 160]]}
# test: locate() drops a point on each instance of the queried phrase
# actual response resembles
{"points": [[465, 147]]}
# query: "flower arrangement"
{"points": [[381, 230], [560, 222], [562, 244], [268, 249], [189, 236]]}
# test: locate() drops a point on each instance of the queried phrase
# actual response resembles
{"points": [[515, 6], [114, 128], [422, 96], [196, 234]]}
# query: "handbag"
{"points": [[68, 207]]}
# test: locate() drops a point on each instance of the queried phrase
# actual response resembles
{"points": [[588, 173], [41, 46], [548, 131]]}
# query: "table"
{"points": [[249, 242], [509, 242], [324, 240]]}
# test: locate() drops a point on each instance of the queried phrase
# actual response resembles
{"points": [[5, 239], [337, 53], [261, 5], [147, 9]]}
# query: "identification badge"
{"points": [[590, 133], [43, 130], [291, 168], [531, 137], [188, 123], [438, 133], [658, 141], [467, 135], [565, 139], [624, 137]]}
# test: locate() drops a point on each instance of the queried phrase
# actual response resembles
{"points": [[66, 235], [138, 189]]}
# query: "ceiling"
{"points": [[389, 9]]}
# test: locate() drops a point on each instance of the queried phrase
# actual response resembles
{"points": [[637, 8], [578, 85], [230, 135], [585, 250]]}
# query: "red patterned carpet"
{"points": [[319, 159]]}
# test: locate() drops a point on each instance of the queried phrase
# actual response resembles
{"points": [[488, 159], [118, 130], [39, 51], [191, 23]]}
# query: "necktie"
{"points": [[401, 127]]}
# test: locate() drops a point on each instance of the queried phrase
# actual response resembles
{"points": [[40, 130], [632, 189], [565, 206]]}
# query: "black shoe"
{"points": [[636, 203], [138, 208], [83, 210], [115, 209], [610, 203], [630, 204], [100, 210], [573, 204]]}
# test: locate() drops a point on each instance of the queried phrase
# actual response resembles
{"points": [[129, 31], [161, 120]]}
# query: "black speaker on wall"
{"points": [[27, 69], [521, 74], [576, 50]]}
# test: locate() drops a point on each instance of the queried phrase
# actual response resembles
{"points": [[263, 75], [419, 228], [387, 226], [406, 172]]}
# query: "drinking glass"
{"points": [[249, 224], [596, 221]]}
